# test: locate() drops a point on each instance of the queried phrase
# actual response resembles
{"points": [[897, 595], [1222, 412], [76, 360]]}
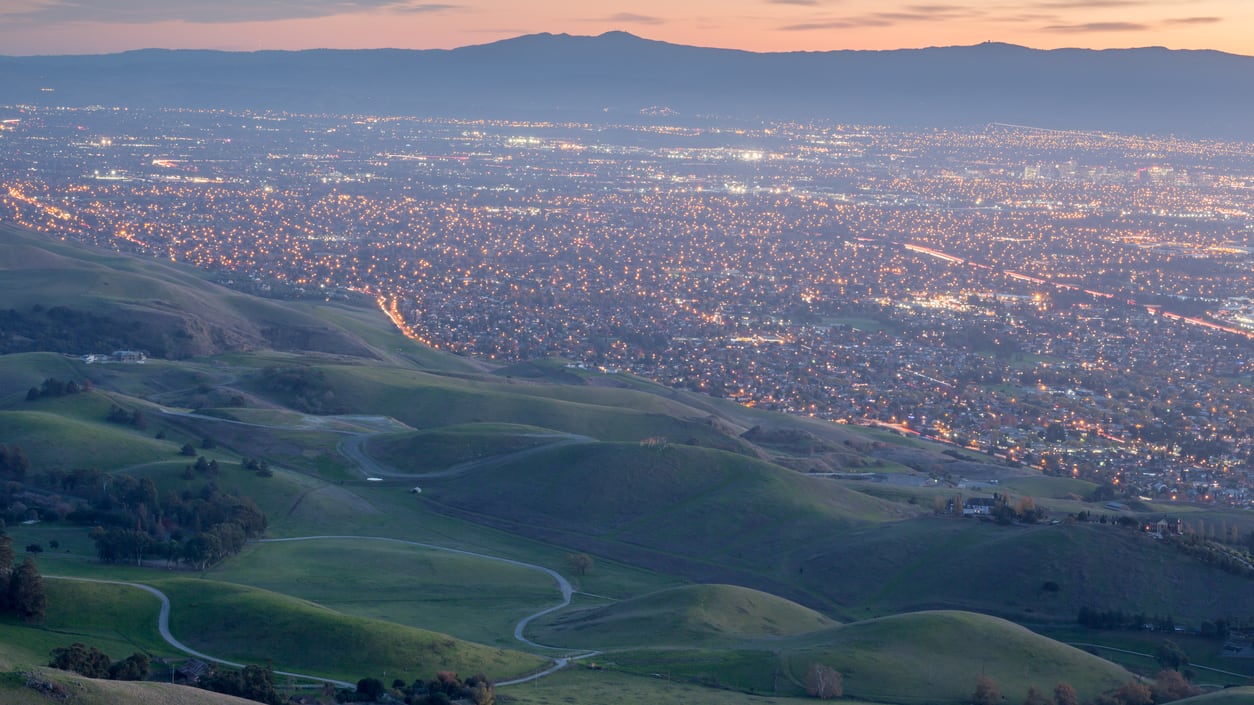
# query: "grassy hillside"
{"points": [[424, 401], [939, 654], [687, 615], [936, 562], [65, 297], [703, 513], [16, 689], [931, 657], [442, 448], [252, 625], [471, 598]]}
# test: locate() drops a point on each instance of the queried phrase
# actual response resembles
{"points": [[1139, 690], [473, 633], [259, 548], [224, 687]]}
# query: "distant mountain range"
{"points": [[617, 75]]}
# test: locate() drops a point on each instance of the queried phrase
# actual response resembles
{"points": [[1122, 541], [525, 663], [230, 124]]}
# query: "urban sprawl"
{"points": [[1073, 302]]}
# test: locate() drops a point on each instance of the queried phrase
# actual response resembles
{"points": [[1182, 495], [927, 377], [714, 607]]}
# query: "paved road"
{"points": [[1083, 645], [563, 585], [351, 448], [163, 626]]}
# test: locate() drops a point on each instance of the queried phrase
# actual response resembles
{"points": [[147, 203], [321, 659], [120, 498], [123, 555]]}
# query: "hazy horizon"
{"points": [[58, 27]]}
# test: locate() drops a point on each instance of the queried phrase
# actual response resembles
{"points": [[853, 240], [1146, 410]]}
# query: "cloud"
{"points": [[424, 7], [199, 11], [836, 24], [630, 18], [1194, 20], [1097, 27], [908, 13], [1084, 4]]}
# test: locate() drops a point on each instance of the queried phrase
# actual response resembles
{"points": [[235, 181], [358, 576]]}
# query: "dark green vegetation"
{"points": [[713, 558]]}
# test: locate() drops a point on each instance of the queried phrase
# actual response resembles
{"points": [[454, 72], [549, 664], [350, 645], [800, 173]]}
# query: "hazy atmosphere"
{"points": [[29, 27]]}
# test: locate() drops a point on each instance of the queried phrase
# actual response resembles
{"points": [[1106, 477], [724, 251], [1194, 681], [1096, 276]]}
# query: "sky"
{"points": [[29, 27]]}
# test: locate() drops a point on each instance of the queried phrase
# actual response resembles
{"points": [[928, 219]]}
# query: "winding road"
{"points": [[351, 448], [163, 626], [563, 585]]}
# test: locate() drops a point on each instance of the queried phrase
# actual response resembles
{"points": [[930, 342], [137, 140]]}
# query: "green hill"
{"points": [[423, 400], [688, 615], [938, 655], [442, 448], [707, 514], [64, 297], [931, 657], [942, 562], [252, 625], [29, 688]]}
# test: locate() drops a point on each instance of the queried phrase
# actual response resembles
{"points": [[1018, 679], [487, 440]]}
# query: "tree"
{"points": [[1171, 656], [481, 690], [1133, 693], [824, 682], [132, 668], [370, 689], [6, 556], [26, 592], [79, 658], [581, 563], [1170, 685], [985, 691], [1035, 697], [1064, 694]]}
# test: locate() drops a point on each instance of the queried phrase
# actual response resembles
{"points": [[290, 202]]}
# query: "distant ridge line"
{"points": [[616, 76]]}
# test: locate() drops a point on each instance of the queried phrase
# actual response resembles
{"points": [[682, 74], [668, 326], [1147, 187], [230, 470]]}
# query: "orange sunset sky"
{"points": [[100, 26]]}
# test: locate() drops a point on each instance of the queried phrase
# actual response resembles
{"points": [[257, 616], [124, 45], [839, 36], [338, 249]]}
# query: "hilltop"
{"points": [[1147, 90]]}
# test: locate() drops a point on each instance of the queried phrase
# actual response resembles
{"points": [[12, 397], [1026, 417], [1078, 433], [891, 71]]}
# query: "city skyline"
{"points": [[40, 27]]}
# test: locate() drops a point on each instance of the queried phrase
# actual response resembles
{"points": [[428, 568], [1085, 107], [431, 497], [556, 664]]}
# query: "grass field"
{"points": [[695, 615], [116, 619], [252, 625], [425, 401], [471, 598], [937, 655], [657, 505], [442, 448], [89, 691]]}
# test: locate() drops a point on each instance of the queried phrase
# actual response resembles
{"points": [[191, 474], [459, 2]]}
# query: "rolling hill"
{"points": [[528, 464], [692, 615]]}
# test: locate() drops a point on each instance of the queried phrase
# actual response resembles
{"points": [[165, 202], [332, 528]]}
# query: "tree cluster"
{"points": [[1226, 558], [444, 689], [131, 521], [127, 417], [13, 463], [60, 329], [306, 388], [93, 663], [21, 589], [261, 467], [1118, 619], [1022, 510], [252, 682], [53, 387]]}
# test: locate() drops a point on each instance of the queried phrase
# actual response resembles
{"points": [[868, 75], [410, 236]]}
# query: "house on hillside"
{"points": [[978, 506], [1165, 526], [192, 671]]}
